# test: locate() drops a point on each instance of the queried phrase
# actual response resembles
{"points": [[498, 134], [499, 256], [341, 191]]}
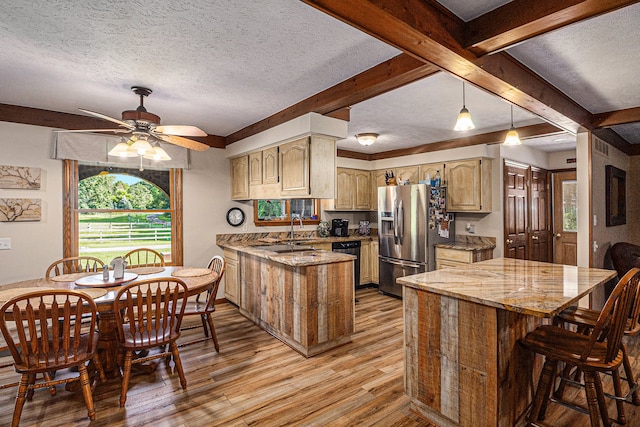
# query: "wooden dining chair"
{"points": [[205, 309], [149, 315], [75, 264], [585, 319], [598, 351], [44, 333], [144, 257]]}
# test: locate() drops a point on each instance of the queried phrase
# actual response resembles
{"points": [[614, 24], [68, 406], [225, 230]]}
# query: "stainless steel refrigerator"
{"points": [[411, 220]]}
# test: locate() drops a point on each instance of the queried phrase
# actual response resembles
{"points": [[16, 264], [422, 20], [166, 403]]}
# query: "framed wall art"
{"points": [[21, 177], [17, 210], [616, 196]]}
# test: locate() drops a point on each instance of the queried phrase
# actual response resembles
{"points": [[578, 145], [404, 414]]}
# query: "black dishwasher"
{"points": [[352, 248]]}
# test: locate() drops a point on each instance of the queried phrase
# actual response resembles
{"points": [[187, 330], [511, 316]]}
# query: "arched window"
{"points": [[111, 210]]}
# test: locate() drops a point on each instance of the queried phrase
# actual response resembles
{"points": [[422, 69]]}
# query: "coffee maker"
{"points": [[340, 227]]}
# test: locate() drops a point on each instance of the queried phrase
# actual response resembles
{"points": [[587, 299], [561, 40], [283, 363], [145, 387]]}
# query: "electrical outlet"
{"points": [[5, 243]]}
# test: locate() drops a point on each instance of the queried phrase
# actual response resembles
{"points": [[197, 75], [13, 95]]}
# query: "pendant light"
{"points": [[512, 136], [464, 121]]}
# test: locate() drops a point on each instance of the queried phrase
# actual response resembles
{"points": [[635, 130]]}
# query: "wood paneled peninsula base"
{"points": [[463, 363], [305, 299]]}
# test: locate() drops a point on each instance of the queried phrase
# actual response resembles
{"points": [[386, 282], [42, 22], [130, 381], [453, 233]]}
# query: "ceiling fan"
{"points": [[143, 124]]}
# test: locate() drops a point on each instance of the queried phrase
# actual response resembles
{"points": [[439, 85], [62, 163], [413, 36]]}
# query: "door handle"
{"points": [[534, 237], [558, 236], [509, 241]]}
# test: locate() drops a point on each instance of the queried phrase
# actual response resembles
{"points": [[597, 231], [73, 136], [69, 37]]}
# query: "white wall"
{"points": [[605, 236], [34, 244]]}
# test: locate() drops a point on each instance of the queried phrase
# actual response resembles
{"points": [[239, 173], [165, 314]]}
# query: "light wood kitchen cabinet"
{"points": [[353, 189], [410, 173], [270, 166], [468, 185], [294, 167], [231, 278], [431, 169], [377, 180], [240, 178], [255, 168], [374, 250], [452, 258], [297, 169], [365, 263]]}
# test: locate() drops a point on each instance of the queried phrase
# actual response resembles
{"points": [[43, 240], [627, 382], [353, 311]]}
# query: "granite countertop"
{"points": [[529, 287], [296, 258], [233, 241], [469, 243]]}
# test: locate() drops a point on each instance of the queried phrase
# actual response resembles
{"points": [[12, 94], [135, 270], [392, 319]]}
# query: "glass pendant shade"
{"points": [[512, 136], [464, 121], [366, 138], [157, 153], [141, 146], [122, 149]]}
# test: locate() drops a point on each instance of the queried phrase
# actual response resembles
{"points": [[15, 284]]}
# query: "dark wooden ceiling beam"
{"points": [[485, 138], [521, 20], [55, 119], [426, 30], [388, 75], [618, 117]]}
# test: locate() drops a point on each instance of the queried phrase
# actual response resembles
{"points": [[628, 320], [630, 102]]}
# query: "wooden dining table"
{"points": [[103, 293]]}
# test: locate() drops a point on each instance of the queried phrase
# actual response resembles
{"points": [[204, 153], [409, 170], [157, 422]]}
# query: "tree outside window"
{"points": [[110, 210], [278, 212]]}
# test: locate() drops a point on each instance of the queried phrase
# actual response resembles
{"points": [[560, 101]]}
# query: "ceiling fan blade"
{"points": [[180, 130], [114, 130], [182, 142], [111, 119]]}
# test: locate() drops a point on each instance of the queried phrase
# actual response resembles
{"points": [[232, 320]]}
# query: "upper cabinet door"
{"points": [[469, 185], [270, 166], [344, 190], [240, 178], [430, 169], [294, 167], [362, 179], [255, 168]]}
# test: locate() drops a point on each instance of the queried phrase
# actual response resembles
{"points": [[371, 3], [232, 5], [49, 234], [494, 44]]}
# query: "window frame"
{"points": [[281, 222], [71, 231]]}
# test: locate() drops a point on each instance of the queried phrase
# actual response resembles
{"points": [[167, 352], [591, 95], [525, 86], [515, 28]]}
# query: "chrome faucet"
{"points": [[293, 218]]}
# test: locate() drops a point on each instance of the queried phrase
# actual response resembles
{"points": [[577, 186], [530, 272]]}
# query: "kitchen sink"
{"points": [[285, 248]]}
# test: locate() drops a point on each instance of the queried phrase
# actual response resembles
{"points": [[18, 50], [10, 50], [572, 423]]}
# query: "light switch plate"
{"points": [[5, 243]]}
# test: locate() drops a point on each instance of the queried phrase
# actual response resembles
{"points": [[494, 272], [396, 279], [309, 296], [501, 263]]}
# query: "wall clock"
{"points": [[235, 217]]}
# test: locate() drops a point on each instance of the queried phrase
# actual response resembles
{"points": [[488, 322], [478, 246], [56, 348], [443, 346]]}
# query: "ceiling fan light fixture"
{"points": [[464, 121], [512, 137], [367, 139]]}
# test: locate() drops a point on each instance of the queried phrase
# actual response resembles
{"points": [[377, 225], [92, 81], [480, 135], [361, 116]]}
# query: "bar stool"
{"points": [[592, 353]]}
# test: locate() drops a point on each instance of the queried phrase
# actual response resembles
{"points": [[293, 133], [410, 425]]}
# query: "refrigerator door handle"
{"points": [[401, 263], [401, 222], [395, 222]]}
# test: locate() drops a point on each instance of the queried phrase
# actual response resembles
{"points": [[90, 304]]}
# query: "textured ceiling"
{"points": [[226, 65]]}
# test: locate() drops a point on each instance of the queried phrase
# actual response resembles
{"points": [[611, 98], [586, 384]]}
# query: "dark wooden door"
{"points": [[515, 211], [540, 242]]}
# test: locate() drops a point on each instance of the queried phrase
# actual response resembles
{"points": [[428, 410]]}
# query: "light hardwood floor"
{"points": [[257, 380]]}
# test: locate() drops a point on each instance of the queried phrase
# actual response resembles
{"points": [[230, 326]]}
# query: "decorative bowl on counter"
{"points": [[323, 229]]}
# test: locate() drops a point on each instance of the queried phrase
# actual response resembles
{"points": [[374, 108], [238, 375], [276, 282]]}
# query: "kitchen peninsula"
{"points": [[463, 363], [304, 297]]}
